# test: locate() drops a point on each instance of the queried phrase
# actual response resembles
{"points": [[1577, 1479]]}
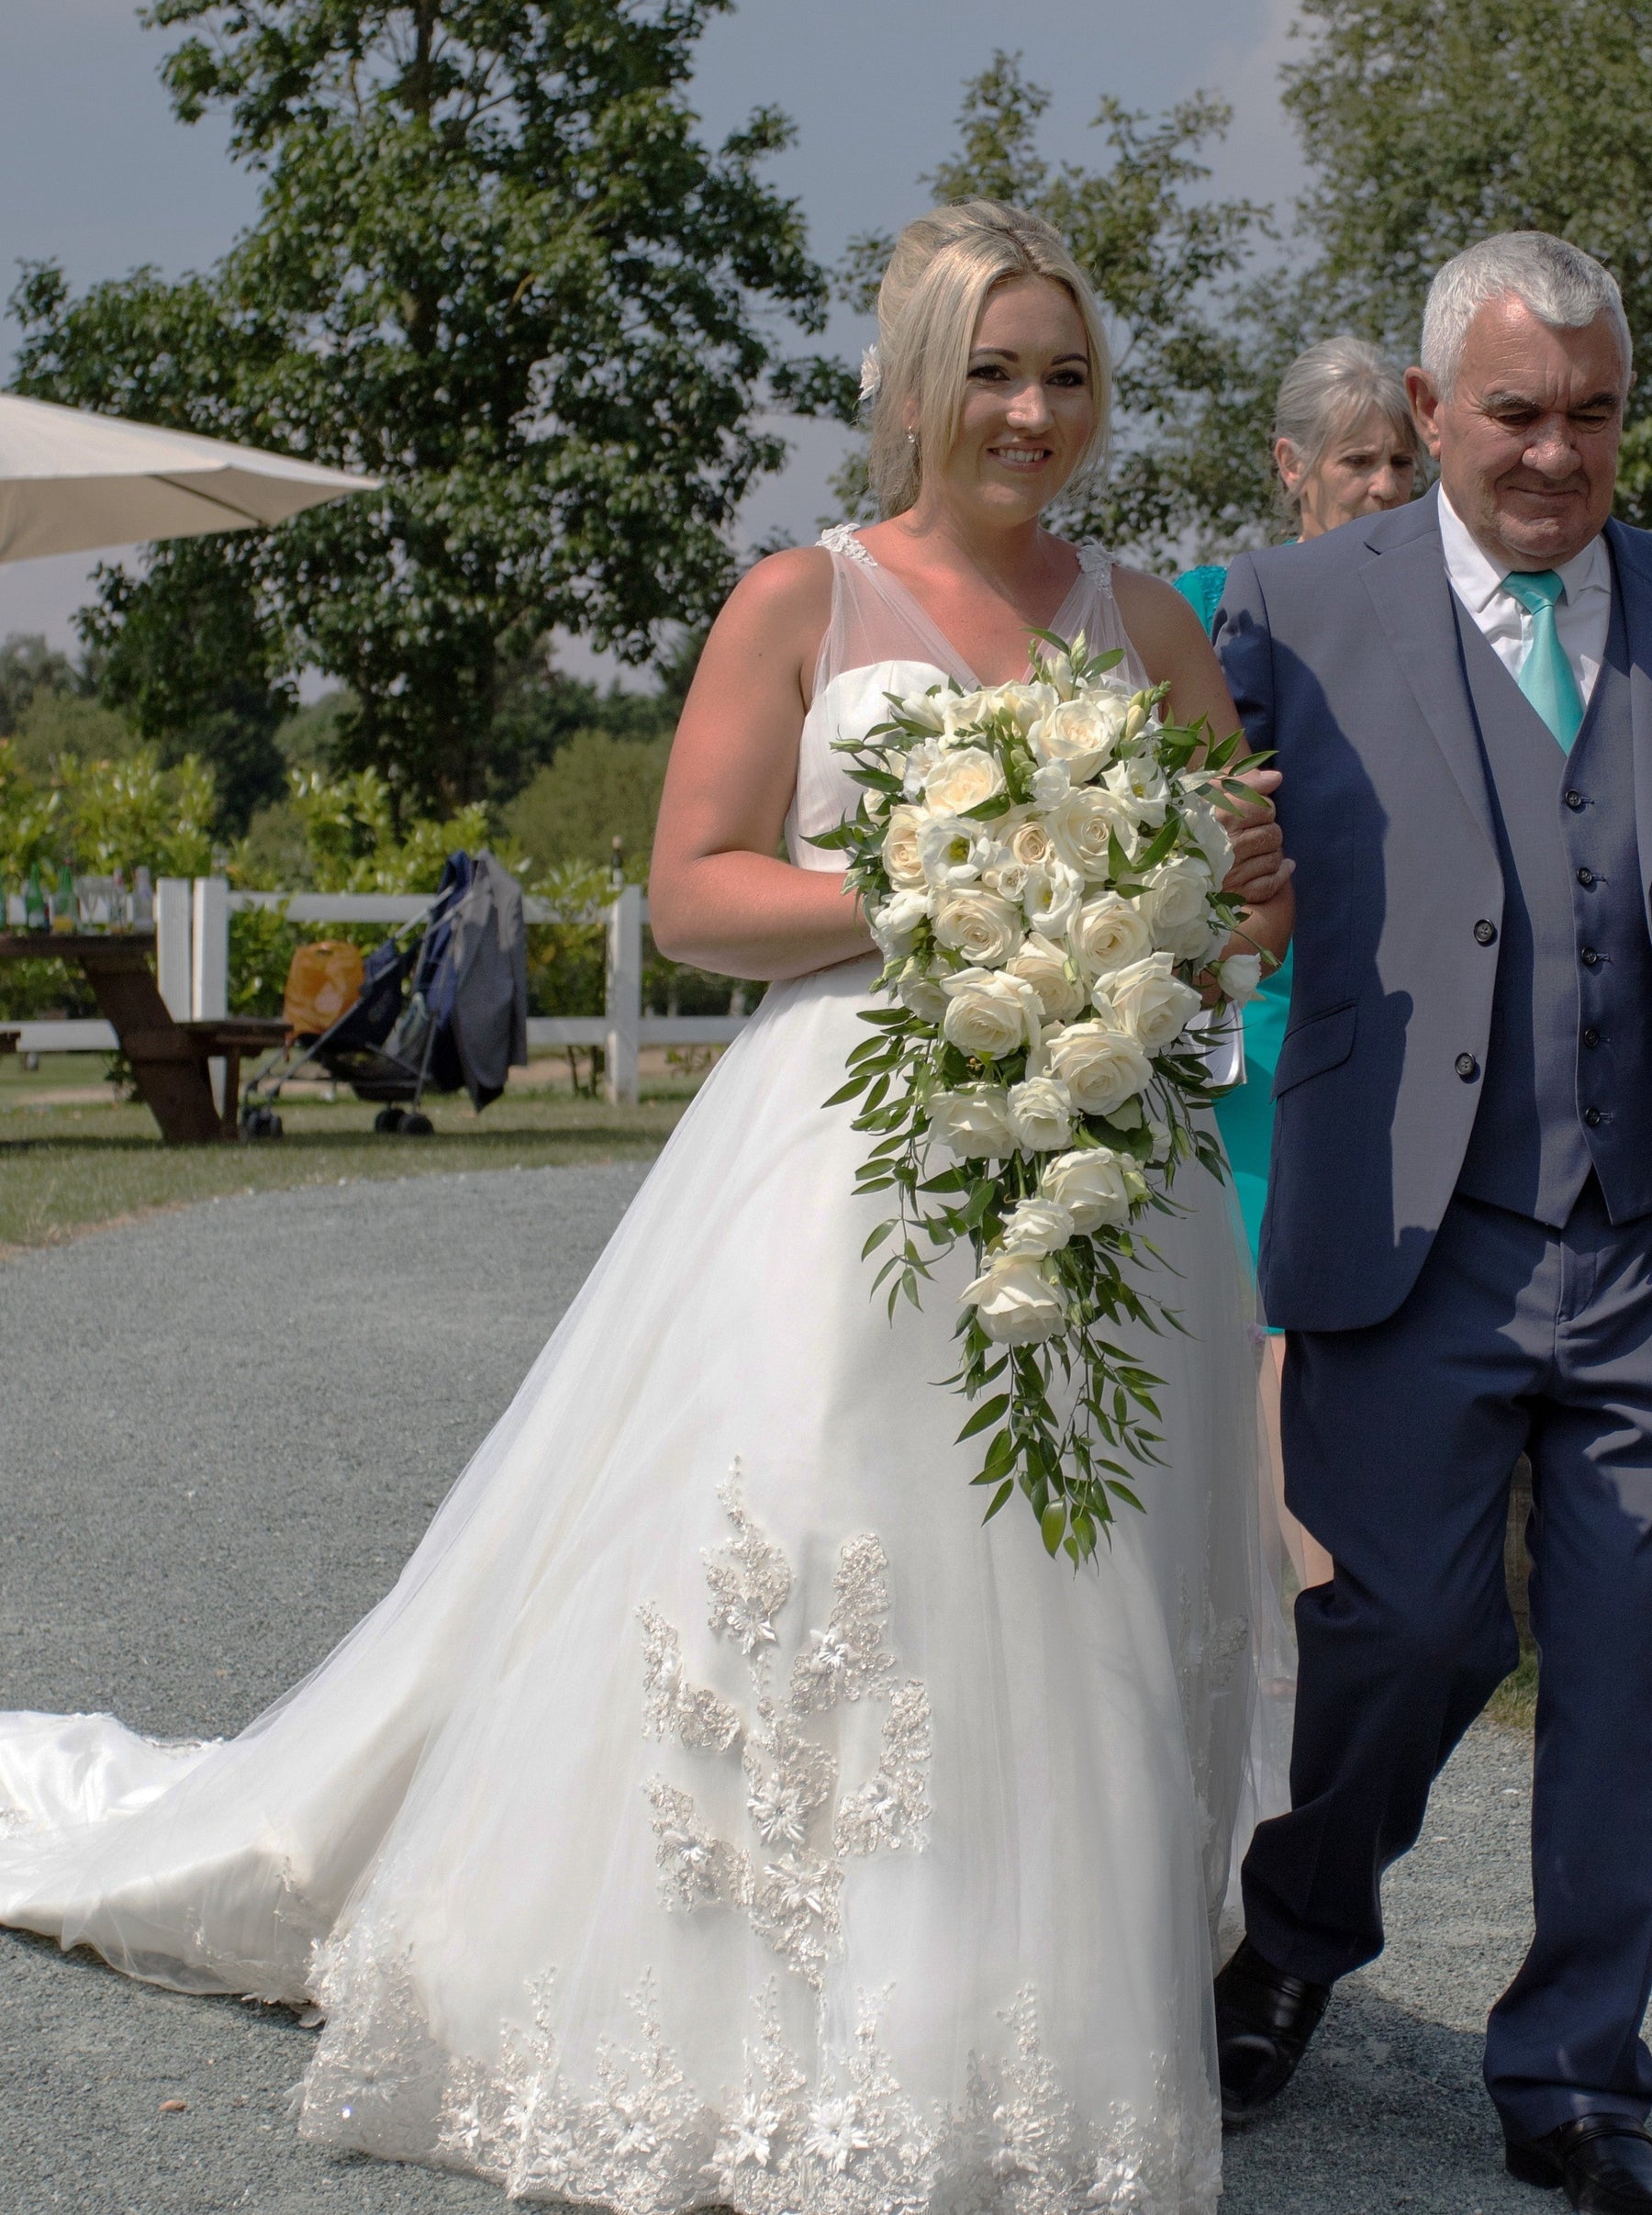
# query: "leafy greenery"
{"points": [[597, 789], [492, 264]]}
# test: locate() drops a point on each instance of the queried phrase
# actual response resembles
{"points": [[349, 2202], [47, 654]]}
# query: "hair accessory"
{"points": [[871, 374]]}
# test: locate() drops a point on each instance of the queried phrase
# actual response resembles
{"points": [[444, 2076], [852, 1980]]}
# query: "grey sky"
{"points": [[96, 173]]}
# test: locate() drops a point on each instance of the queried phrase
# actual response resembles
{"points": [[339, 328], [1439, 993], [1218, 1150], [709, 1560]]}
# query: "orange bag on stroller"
{"points": [[324, 980]]}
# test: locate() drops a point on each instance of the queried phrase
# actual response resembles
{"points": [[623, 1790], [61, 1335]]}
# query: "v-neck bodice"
{"points": [[881, 639]]}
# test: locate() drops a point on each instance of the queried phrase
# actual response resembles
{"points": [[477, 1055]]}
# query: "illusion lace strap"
{"points": [[1097, 563], [839, 538]]}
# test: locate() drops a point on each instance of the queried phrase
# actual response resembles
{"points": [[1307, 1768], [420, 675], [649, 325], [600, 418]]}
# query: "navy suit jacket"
{"points": [[1342, 656]]}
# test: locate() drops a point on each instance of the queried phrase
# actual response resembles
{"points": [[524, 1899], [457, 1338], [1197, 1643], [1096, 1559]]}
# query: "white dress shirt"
{"points": [[1583, 614]]}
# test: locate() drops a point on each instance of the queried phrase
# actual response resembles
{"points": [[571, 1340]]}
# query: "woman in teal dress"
{"points": [[1344, 445]]}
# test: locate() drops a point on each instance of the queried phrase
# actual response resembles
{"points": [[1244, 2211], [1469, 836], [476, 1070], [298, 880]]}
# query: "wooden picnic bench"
{"points": [[169, 1060]]}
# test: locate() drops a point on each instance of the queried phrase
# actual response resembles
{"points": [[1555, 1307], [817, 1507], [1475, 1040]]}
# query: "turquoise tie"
{"points": [[1545, 675]]}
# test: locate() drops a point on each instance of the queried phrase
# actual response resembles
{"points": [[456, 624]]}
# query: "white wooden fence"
{"points": [[191, 964]]}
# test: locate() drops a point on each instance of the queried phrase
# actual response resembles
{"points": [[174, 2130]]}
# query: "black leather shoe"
{"points": [[1603, 2162], [1264, 2020]]}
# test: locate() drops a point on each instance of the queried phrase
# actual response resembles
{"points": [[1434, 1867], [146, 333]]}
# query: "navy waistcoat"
{"points": [[1567, 1085]]}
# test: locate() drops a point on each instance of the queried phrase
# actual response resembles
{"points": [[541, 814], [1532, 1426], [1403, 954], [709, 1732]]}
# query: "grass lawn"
{"points": [[66, 1169]]}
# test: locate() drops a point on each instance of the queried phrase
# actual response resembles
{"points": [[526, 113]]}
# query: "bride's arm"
{"points": [[717, 896], [1171, 641]]}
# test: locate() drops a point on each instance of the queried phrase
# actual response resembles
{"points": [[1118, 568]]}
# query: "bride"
{"points": [[714, 1812]]}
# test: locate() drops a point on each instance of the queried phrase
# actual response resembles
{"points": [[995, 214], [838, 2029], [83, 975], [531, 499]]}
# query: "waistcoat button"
{"points": [[1592, 1036], [1590, 958], [1574, 800], [1593, 1117], [1485, 932], [1468, 1068], [1586, 877]]}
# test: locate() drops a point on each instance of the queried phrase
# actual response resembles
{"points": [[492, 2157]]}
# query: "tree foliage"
{"points": [[494, 265]]}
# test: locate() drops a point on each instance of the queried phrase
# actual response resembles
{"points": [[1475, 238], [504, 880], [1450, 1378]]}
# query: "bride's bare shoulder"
{"points": [[1164, 628], [788, 590]]}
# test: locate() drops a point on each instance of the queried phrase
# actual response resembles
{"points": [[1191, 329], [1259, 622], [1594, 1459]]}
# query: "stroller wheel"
{"points": [[418, 1125], [260, 1123], [389, 1119]]}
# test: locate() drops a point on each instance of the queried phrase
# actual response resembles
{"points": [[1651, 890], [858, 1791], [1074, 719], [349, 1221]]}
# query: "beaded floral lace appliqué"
{"points": [[840, 2137], [790, 1882]]}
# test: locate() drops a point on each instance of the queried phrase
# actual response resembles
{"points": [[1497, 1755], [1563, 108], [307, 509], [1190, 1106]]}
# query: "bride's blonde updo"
{"points": [[943, 268]]}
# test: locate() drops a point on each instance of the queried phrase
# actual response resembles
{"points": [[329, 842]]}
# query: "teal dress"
{"points": [[1245, 1116]]}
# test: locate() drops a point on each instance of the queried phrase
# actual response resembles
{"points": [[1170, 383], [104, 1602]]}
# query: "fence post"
{"points": [[210, 969], [624, 1000], [173, 971]]}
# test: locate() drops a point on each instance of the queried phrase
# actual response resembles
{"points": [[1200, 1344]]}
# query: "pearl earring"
{"points": [[912, 438]]}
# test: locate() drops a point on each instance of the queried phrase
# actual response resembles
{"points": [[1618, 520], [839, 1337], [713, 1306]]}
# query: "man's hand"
{"points": [[1260, 870]]}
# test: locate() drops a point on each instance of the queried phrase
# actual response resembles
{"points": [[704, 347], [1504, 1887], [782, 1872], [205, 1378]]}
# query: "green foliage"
{"points": [[494, 265], [597, 788], [28, 666], [105, 814], [1431, 123], [1164, 260], [62, 726]]}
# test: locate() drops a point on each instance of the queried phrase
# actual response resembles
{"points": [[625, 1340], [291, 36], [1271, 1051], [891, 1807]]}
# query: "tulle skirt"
{"points": [[715, 1811]]}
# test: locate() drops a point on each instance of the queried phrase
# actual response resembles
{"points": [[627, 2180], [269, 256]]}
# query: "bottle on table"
{"points": [[35, 917], [143, 900], [63, 909], [121, 901]]}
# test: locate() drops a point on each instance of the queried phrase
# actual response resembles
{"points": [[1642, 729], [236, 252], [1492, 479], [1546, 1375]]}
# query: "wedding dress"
{"points": [[716, 1812]]}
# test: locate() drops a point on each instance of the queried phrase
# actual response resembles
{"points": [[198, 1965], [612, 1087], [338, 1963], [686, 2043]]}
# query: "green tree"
{"points": [[597, 788], [29, 668], [1430, 123], [1166, 260], [494, 265]]}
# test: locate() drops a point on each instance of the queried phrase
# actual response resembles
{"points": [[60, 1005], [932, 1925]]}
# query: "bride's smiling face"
{"points": [[1029, 404]]}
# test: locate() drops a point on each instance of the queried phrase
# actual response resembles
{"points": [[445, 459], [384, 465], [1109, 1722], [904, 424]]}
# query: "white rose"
{"points": [[1240, 977], [1152, 1003], [1138, 785], [1015, 1303], [971, 1122], [1029, 842], [1023, 704], [1041, 1115], [1096, 1187], [983, 928], [1080, 826], [1176, 905], [920, 760], [1051, 897], [1044, 966], [990, 1015], [950, 850], [960, 709], [1036, 1228], [1109, 932], [1082, 734], [1052, 783], [902, 859], [1205, 829], [962, 779], [920, 994], [896, 924], [1008, 878], [1101, 1068]]}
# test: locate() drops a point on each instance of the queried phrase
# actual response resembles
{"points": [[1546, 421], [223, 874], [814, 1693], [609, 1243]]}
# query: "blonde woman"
{"points": [[715, 1811]]}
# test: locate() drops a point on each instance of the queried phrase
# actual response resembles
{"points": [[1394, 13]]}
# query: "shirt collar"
{"points": [[1477, 583]]}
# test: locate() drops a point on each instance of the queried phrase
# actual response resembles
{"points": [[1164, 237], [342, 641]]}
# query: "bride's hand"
{"points": [[1260, 868]]}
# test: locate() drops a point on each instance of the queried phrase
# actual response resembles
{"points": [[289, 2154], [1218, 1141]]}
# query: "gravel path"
{"points": [[223, 1431]]}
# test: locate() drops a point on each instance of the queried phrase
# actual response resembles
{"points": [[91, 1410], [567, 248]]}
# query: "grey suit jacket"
{"points": [[1342, 657]]}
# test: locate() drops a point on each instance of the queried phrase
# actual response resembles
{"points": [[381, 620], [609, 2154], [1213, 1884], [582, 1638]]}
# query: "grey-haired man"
{"points": [[1458, 1241]]}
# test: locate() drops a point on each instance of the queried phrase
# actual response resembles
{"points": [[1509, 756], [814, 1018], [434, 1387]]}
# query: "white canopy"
{"points": [[72, 481]]}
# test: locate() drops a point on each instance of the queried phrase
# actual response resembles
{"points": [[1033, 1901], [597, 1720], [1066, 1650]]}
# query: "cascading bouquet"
{"points": [[1041, 865]]}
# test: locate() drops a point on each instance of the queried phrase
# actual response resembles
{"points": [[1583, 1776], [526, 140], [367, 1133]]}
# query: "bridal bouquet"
{"points": [[1041, 865]]}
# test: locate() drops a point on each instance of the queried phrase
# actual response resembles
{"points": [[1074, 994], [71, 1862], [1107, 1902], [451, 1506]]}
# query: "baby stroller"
{"points": [[442, 1004]]}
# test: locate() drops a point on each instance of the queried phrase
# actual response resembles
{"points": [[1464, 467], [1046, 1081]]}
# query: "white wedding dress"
{"points": [[714, 1812]]}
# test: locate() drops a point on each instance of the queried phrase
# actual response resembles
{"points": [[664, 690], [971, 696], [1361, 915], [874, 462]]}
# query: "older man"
{"points": [[1458, 1241]]}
